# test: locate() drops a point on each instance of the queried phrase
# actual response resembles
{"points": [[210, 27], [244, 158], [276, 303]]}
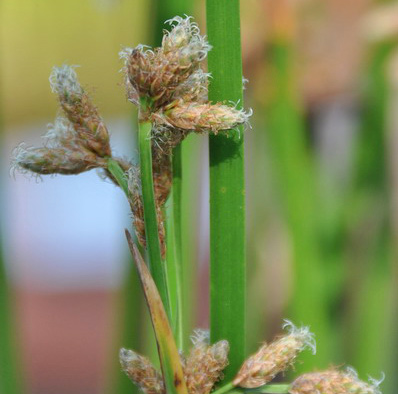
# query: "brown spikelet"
{"points": [[141, 372], [201, 117], [57, 160], [156, 74], [263, 366], [159, 73], [80, 111], [205, 363], [332, 382]]}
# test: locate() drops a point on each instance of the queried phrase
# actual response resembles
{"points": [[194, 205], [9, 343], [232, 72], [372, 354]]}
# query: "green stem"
{"points": [[174, 260], [272, 389], [177, 194], [269, 388], [119, 175], [156, 265], [224, 389], [227, 187]]}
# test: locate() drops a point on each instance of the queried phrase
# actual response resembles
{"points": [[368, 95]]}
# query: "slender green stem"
{"points": [[269, 388], [156, 264], [177, 206], [224, 389], [174, 261], [227, 187], [119, 175]]}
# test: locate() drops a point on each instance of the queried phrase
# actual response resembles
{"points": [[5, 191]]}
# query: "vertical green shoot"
{"points": [[174, 258], [227, 187], [295, 175]]}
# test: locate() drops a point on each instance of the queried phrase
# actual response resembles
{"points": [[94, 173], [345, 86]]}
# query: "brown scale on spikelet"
{"points": [[205, 363], [276, 357], [333, 382], [79, 109], [141, 372]]}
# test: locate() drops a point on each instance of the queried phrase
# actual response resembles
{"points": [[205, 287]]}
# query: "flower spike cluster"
{"points": [[78, 140], [202, 367], [169, 86], [171, 78]]}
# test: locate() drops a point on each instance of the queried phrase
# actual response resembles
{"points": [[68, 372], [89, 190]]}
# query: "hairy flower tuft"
{"points": [[141, 372], [263, 366], [185, 37], [89, 127], [333, 381], [63, 80]]}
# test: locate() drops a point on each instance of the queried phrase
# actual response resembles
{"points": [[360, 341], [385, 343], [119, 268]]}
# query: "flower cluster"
{"points": [[171, 81], [78, 140], [170, 87], [202, 367]]}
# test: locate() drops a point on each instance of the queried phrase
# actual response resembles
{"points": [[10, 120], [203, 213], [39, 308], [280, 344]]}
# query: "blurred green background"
{"points": [[322, 189]]}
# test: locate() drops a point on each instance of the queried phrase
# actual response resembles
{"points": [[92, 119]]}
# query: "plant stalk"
{"points": [[174, 258], [227, 187], [119, 175], [268, 388]]}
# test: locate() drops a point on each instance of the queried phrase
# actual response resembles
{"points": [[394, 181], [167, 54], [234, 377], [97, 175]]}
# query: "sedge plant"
{"points": [[170, 89]]}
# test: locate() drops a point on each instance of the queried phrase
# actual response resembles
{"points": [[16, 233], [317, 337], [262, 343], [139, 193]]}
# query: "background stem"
{"points": [[227, 187]]}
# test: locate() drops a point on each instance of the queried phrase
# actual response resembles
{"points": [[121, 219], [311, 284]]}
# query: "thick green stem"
{"points": [[156, 264], [227, 187]]}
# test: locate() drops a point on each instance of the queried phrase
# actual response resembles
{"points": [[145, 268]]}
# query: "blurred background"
{"points": [[322, 189]]}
